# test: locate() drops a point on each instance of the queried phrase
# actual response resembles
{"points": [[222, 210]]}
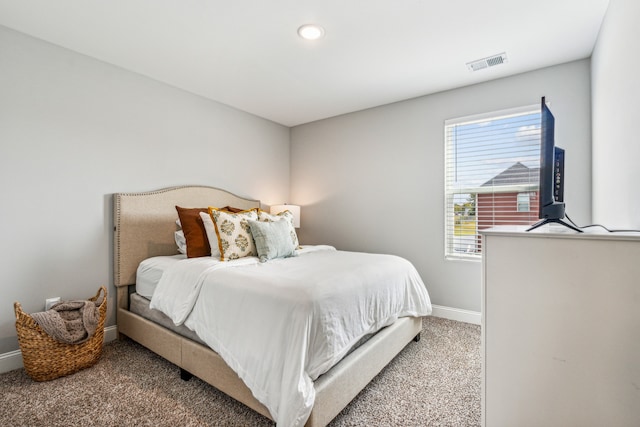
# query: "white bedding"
{"points": [[150, 271], [282, 323]]}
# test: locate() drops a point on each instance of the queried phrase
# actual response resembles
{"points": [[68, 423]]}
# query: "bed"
{"points": [[144, 227]]}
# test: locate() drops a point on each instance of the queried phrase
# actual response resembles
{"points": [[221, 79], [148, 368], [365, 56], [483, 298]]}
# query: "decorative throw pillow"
{"points": [[265, 216], [210, 229], [194, 230], [234, 233], [273, 239]]}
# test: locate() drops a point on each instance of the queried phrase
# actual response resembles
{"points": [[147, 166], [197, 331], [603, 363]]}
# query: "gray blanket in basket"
{"points": [[70, 322]]}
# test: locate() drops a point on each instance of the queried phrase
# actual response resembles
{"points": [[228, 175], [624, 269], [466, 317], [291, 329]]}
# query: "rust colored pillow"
{"points": [[194, 232]]}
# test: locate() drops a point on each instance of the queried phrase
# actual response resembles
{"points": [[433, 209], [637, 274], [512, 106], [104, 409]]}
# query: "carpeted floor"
{"points": [[434, 382]]}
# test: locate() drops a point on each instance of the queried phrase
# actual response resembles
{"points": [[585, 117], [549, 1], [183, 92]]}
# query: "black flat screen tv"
{"points": [[551, 195]]}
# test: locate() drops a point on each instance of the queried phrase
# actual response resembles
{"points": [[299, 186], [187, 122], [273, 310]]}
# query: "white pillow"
{"points": [[210, 230], [181, 242]]}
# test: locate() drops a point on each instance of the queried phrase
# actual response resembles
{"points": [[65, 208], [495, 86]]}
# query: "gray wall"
{"points": [[616, 113], [374, 180], [73, 131]]}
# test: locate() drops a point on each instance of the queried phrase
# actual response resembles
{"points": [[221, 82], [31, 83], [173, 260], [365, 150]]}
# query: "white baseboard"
{"points": [[10, 361], [110, 333], [13, 359], [458, 314]]}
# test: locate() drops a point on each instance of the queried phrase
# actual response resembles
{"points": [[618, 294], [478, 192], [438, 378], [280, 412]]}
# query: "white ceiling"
{"points": [[246, 53]]}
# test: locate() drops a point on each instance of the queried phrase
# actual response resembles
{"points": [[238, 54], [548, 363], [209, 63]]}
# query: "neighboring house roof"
{"points": [[518, 174]]}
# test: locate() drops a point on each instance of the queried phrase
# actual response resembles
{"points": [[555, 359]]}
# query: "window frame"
{"points": [[470, 119], [524, 202]]}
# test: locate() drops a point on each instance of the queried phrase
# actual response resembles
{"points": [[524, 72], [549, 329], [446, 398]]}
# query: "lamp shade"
{"points": [[294, 209]]}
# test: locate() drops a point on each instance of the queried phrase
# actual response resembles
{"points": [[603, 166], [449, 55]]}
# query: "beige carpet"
{"points": [[434, 382]]}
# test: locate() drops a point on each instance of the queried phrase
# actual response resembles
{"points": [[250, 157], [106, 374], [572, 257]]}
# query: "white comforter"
{"points": [[282, 323]]}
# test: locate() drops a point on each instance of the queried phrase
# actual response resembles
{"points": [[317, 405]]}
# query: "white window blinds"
{"points": [[492, 165]]}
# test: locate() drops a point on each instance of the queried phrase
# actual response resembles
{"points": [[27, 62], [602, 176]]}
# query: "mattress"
{"points": [[150, 271], [140, 306], [147, 277]]}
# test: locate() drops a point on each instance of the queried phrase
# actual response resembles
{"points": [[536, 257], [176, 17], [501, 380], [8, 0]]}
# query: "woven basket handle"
{"points": [[102, 290], [17, 308]]}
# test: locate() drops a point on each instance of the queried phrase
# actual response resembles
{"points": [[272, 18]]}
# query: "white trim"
{"points": [[110, 333], [458, 314], [10, 361], [494, 115], [13, 359]]}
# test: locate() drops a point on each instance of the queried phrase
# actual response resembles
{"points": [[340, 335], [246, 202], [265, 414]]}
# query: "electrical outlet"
{"points": [[50, 301]]}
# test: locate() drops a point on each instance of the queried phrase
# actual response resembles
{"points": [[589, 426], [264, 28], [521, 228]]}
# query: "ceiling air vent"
{"points": [[490, 61]]}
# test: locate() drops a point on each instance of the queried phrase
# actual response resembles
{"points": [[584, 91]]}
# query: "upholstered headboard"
{"points": [[144, 223]]}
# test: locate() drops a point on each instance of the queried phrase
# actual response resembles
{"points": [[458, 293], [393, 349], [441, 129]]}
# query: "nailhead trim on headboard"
{"points": [[144, 222]]}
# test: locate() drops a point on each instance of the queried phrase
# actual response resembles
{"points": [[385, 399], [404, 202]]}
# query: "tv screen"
{"points": [[551, 206]]}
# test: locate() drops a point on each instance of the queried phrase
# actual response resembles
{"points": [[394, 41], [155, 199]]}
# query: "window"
{"points": [[523, 202], [492, 167]]}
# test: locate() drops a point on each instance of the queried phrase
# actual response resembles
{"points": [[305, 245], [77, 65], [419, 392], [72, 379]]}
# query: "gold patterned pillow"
{"points": [[265, 216], [234, 233]]}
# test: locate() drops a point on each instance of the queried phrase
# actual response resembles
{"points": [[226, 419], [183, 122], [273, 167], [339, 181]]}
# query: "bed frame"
{"points": [[144, 226]]}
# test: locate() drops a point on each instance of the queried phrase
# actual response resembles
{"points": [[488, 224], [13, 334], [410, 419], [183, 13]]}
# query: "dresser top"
{"points": [[559, 231]]}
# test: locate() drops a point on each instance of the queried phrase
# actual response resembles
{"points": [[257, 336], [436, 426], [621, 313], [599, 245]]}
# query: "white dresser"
{"points": [[560, 328]]}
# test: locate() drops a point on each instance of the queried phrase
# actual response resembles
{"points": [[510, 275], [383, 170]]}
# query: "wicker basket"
{"points": [[45, 358]]}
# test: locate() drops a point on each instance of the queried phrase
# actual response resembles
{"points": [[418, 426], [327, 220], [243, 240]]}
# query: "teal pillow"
{"points": [[273, 239]]}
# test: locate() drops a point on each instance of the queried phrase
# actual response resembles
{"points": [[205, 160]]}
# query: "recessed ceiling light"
{"points": [[311, 32]]}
